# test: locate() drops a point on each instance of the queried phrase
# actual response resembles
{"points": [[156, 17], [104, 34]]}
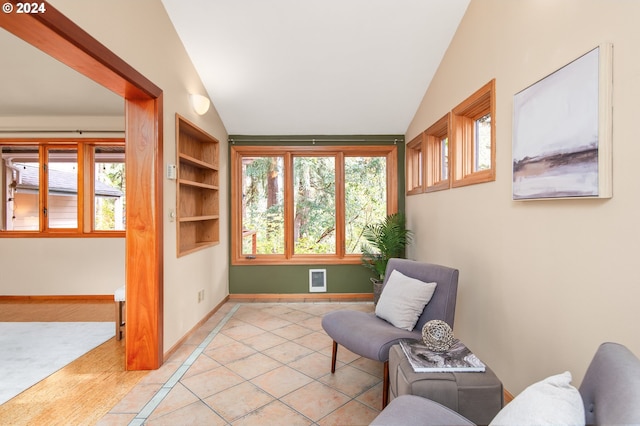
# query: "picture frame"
{"points": [[562, 131]]}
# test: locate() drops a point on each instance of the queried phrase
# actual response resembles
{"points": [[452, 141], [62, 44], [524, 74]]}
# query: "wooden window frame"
{"points": [[415, 154], [288, 153], [434, 164], [462, 143], [86, 190]]}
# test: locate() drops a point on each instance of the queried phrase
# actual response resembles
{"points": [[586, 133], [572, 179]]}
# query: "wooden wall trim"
{"points": [[143, 269], [301, 297], [195, 328], [80, 298], [79, 50], [56, 35]]}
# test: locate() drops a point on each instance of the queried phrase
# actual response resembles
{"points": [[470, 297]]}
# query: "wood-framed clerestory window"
{"points": [[63, 187], [473, 141], [415, 165], [308, 204], [437, 158]]}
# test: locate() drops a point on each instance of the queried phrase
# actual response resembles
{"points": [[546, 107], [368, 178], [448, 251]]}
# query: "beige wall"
{"points": [[542, 283], [140, 33]]}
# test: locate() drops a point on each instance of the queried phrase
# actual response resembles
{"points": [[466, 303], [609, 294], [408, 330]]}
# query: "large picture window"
{"points": [[304, 204], [62, 187]]}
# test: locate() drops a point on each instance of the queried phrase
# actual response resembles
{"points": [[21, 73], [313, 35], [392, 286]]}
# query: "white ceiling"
{"points": [[295, 67], [273, 67]]}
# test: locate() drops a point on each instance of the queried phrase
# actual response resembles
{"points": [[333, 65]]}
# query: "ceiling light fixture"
{"points": [[200, 103]]}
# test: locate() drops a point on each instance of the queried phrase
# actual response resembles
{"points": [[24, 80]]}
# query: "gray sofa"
{"points": [[610, 392]]}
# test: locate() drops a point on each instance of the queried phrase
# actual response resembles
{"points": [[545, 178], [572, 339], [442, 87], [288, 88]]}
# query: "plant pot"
{"points": [[377, 289]]}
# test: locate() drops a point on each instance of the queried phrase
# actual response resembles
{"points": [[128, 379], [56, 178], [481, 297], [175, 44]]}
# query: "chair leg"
{"points": [[117, 321], [334, 355], [385, 385]]}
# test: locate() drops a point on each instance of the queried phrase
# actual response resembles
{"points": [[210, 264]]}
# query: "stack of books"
{"points": [[457, 359]]}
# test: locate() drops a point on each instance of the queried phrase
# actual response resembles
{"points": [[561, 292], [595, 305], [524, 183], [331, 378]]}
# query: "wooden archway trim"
{"points": [[54, 34]]}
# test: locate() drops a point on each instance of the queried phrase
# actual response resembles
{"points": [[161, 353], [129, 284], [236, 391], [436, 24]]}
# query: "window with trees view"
{"points": [[62, 187], [308, 204]]}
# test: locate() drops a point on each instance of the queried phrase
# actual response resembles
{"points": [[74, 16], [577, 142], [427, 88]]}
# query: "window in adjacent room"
{"points": [[473, 138], [109, 183], [301, 204], [62, 187]]}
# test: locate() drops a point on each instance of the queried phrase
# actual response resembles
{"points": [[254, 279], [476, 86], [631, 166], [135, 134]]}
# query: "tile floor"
{"points": [[258, 364]]}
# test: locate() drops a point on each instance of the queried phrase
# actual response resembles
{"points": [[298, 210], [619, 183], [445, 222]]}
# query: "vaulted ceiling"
{"points": [[316, 66], [273, 66]]}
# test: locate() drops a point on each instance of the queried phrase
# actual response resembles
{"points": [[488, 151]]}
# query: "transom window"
{"points": [[308, 204], [473, 130], [437, 141], [62, 187], [457, 150], [415, 165]]}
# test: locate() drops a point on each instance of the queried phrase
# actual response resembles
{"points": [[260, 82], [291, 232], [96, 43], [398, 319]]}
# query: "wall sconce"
{"points": [[199, 103]]}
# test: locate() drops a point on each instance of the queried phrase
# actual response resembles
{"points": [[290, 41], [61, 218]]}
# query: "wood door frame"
{"points": [[55, 34]]}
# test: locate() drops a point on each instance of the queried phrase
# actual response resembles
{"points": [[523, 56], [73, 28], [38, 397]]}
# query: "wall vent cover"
{"points": [[317, 280]]}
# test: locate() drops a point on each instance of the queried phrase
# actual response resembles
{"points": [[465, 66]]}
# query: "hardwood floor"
{"points": [[85, 390]]}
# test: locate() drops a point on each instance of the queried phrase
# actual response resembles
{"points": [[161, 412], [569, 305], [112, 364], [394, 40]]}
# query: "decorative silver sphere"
{"points": [[437, 335]]}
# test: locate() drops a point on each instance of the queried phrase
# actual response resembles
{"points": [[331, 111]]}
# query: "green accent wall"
{"points": [[294, 279]]}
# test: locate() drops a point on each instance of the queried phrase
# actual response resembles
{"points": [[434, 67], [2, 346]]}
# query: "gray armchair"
{"points": [[610, 393], [371, 337]]}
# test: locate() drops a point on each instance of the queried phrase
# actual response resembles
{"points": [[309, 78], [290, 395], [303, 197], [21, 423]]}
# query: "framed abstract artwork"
{"points": [[562, 131]]}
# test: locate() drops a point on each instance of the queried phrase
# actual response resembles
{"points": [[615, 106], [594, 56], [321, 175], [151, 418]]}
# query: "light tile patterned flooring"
{"points": [[258, 364]]}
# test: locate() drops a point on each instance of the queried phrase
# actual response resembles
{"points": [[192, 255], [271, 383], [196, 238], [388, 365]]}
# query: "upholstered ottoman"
{"points": [[477, 396]]}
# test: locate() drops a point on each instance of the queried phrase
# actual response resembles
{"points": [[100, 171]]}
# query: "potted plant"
{"points": [[384, 240]]}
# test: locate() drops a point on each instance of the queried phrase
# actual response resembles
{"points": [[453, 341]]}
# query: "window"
{"points": [[473, 138], [262, 204], [415, 164], [314, 205], [301, 204], [437, 158], [62, 187], [109, 184]]}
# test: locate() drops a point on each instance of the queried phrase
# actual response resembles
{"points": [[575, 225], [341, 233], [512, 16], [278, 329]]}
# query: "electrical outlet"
{"points": [[200, 295]]}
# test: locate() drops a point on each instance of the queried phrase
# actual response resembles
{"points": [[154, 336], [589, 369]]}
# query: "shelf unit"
{"points": [[198, 195]]}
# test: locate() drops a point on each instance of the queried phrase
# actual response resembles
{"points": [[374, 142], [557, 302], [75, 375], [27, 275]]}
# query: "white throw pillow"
{"points": [[403, 299], [552, 401]]}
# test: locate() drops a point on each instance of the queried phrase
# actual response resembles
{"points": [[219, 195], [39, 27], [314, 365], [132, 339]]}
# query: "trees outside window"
{"points": [[308, 204]]}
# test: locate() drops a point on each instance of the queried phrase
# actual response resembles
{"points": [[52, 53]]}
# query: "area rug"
{"points": [[32, 351]]}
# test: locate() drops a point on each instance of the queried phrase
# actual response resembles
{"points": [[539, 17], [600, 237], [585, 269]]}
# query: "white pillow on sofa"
{"points": [[552, 401], [403, 299]]}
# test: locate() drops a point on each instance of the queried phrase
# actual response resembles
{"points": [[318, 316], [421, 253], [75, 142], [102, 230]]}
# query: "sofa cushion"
{"points": [[552, 401], [403, 299]]}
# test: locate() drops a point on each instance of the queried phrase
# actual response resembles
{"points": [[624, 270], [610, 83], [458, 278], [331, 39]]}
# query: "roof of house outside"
{"points": [[60, 182]]}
